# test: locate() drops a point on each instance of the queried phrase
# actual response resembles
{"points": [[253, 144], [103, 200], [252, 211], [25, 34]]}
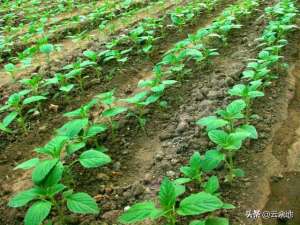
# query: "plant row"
{"points": [[141, 39], [19, 13], [76, 142], [40, 35]]}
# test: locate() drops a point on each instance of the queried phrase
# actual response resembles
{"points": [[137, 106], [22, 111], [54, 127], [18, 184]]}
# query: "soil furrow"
{"points": [[140, 160], [272, 164], [71, 50], [125, 81], [24, 181]]}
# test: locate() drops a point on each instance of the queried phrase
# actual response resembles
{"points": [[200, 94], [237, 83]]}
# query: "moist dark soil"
{"points": [[125, 81], [71, 50], [140, 160]]}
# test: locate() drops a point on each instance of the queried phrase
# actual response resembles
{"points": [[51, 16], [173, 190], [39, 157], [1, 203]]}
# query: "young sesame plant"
{"points": [[199, 165], [76, 72], [11, 70], [169, 193], [47, 49], [107, 100], [61, 82], [104, 61], [15, 106]]}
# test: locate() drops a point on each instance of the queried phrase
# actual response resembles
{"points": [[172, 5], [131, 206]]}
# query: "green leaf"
{"points": [[114, 111], [72, 128], [28, 164], [107, 97], [219, 137], [248, 74], [90, 54], [67, 88], [33, 99], [137, 97], [236, 106], [55, 175], [179, 189], [182, 180], [231, 141], [200, 203], [82, 203], [152, 98], [93, 158], [216, 221], [23, 198], [10, 68], [95, 130], [195, 160], [193, 170], [71, 148], [4, 128], [211, 160], [9, 118], [158, 88], [167, 194], [53, 147], [249, 130], [239, 172], [42, 169], [140, 212], [198, 222], [46, 48], [228, 206], [169, 82], [212, 185], [234, 110], [37, 213], [211, 122], [53, 190], [73, 73]]}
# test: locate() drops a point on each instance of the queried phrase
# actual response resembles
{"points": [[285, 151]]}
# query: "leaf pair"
{"points": [[199, 164], [195, 204]]}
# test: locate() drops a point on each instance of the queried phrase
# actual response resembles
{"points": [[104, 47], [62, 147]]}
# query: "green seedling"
{"points": [[232, 113], [229, 116], [118, 55], [33, 84], [93, 57], [198, 165], [169, 210], [15, 105], [11, 70], [47, 49], [61, 82], [138, 112], [90, 130], [229, 144], [47, 175], [76, 72], [110, 111], [248, 93]]}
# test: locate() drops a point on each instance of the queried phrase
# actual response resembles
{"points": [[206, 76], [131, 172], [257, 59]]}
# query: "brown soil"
{"points": [[71, 50], [141, 160]]}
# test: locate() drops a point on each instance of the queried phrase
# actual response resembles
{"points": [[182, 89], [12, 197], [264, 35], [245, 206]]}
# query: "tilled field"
{"points": [[150, 112]]}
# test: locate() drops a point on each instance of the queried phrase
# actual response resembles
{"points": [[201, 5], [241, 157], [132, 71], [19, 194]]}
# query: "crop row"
{"points": [[49, 18], [40, 35], [141, 40], [80, 134], [228, 129], [15, 13]]}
